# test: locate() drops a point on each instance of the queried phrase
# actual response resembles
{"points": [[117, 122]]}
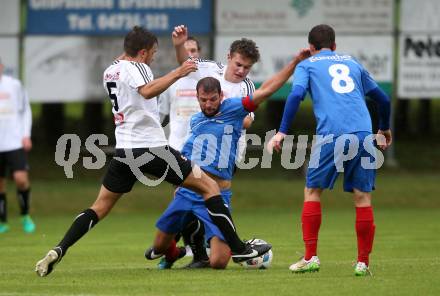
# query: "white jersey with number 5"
{"points": [[136, 118]]}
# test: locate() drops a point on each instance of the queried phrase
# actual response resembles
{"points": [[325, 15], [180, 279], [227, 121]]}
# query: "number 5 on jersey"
{"points": [[340, 73], [111, 88]]}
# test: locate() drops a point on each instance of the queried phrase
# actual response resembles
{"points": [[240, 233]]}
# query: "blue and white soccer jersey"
{"points": [[338, 84], [185, 202]]}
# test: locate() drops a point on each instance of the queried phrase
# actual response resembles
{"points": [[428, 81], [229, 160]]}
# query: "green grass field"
{"points": [[109, 260]]}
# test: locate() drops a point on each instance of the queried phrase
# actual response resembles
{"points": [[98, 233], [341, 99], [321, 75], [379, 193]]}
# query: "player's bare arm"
{"points": [[159, 85], [247, 122], [179, 36], [270, 86]]}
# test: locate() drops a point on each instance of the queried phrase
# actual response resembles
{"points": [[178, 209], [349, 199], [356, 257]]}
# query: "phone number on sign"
{"points": [[126, 21]]}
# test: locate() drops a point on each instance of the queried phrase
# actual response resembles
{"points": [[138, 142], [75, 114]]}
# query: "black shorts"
{"points": [[163, 163], [15, 160]]}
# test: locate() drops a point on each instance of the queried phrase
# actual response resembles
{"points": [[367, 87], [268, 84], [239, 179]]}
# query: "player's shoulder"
{"points": [[248, 85], [11, 80], [231, 103], [209, 64], [141, 67]]}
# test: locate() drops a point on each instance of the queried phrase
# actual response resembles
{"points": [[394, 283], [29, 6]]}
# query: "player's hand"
{"points": [[27, 144], [303, 54], [384, 139], [187, 67], [179, 35], [275, 142]]}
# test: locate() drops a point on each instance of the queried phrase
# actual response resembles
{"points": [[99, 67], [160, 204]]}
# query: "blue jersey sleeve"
{"points": [[368, 83], [291, 107], [301, 76], [384, 107]]}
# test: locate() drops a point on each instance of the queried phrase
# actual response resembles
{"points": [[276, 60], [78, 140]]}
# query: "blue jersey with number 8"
{"points": [[337, 84]]}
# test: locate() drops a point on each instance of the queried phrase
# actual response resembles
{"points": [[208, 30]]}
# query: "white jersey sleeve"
{"points": [[25, 113], [138, 74]]}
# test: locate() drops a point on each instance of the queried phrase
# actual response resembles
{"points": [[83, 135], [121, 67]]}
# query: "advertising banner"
{"points": [[419, 66], [62, 69], [299, 16], [9, 17], [116, 17]]}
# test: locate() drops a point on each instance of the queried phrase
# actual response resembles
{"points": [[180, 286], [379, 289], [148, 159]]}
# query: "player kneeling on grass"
{"points": [[221, 122]]}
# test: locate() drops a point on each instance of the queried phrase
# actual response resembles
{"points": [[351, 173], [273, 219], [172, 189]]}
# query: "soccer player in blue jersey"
{"points": [[338, 85], [213, 145]]}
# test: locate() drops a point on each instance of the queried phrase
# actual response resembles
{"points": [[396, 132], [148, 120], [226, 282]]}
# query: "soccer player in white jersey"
{"points": [[141, 147], [243, 54], [179, 102], [15, 135]]}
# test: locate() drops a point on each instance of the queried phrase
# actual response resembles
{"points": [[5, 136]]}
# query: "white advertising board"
{"points": [[9, 17], [9, 55], [420, 16], [62, 69], [419, 66], [299, 16], [375, 53]]}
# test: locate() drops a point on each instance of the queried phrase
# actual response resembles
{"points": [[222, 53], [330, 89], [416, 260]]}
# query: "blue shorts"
{"points": [[185, 202], [358, 172]]}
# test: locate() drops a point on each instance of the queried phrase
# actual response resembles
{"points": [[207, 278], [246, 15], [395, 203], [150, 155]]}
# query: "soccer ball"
{"points": [[262, 262]]}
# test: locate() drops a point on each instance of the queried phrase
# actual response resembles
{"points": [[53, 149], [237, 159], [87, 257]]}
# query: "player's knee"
{"points": [[361, 199], [21, 180], [219, 262]]}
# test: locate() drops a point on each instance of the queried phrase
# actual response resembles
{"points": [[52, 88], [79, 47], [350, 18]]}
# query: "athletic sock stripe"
{"points": [[195, 232], [79, 215], [224, 216]]}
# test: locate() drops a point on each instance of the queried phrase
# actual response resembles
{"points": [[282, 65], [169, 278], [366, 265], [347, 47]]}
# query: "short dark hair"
{"points": [[209, 84], [192, 38], [137, 39], [246, 48], [322, 36]]}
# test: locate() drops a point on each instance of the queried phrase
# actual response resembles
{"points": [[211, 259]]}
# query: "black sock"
{"points": [[3, 208], [82, 224], [221, 217], [194, 236], [23, 199]]}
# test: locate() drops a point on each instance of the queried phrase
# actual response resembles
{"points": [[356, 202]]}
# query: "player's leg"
{"points": [[310, 222], [168, 224], [21, 178], [365, 229], [220, 253], [360, 181], [85, 221], [194, 235], [196, 180], [4, 227], [321, 174], [117, 181]]}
